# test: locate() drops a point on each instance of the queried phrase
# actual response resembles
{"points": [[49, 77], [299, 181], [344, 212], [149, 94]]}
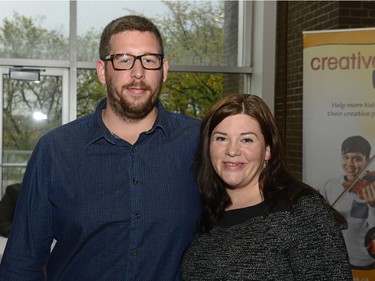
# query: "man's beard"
{"points": [[130, 111]]}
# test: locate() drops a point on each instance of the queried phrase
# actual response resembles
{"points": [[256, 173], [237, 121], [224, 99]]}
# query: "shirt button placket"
{"points": [[136, 214], [134, 253], [135, 205]]}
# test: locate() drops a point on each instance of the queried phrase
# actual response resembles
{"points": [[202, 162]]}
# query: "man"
{"points": [[115, 189], [357, 207]]}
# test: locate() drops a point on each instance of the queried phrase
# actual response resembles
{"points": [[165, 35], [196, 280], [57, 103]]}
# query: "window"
{"points": [[42, 24]]}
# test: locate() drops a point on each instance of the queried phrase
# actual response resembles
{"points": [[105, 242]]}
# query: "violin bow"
{"points": [[358, 176]]}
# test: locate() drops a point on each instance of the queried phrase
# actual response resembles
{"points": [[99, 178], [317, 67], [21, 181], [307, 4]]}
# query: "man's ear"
{"points": [[165, 69], [100, 71]]}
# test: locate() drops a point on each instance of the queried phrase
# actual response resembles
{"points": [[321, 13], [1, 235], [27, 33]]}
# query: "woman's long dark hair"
{"points": [[274, 177]]}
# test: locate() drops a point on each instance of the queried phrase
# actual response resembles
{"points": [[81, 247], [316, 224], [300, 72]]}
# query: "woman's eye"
{"points": [[220, 139], [247, 140]]}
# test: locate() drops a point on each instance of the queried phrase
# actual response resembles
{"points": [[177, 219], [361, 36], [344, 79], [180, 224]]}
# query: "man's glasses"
{"points": [[127, 61]]}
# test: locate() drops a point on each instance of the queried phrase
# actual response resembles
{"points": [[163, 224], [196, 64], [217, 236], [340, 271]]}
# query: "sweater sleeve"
{"points": [[318, 251]]}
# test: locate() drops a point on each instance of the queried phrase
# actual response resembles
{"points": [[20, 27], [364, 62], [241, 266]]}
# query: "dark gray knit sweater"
{"points": [[301, 244]]}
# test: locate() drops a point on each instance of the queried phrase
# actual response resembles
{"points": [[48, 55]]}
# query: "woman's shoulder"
{"points": [[291, 195], [309, 204], [298, 190], [306, 198]]}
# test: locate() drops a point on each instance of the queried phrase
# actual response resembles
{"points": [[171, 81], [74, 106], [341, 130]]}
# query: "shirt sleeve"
{"points": [[318, 251], [29, 242]]}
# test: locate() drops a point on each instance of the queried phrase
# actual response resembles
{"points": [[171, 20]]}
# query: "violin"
{"points": [[360, 184], [362, 179]]}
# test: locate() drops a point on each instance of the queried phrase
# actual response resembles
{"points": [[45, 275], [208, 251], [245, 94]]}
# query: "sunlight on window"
{"points": [[39, 116]]}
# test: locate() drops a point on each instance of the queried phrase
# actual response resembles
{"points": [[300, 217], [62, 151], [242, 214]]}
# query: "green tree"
{"points": [[88, 45], [193, 32], [89, 92], [193, 35], [192, 94], [25, 37]]}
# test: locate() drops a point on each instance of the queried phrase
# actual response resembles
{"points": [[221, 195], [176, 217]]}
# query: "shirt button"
{"points": [[135, 181], [137, 215], [134, 253]]}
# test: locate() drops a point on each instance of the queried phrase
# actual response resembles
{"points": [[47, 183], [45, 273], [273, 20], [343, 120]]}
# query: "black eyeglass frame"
{"points": [[111, 57]]}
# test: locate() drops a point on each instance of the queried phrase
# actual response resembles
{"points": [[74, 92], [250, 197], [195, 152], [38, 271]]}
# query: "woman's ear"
{"points": [[267, 155]]}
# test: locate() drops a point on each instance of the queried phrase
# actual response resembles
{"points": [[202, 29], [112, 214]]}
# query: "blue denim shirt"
{"points": [[118, 211]]}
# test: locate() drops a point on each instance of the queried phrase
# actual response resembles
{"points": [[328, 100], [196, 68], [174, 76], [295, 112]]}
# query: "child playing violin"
{"points": [[353, 195]]}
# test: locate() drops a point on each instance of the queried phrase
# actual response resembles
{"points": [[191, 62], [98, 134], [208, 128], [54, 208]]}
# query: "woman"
{"points": [[257, 221]]}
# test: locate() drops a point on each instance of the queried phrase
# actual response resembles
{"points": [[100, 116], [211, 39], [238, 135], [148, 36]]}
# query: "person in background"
{"points": [[257, 221], [356, 205], [116, 188], [7, 206]]}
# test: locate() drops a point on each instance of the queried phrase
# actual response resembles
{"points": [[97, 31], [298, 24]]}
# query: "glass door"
{"points": [[29, 109]]}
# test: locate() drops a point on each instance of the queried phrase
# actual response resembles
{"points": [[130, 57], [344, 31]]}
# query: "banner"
{"points": [[339, 133]]}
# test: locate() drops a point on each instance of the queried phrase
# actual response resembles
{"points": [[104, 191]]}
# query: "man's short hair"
{"points": [[356, 144]]}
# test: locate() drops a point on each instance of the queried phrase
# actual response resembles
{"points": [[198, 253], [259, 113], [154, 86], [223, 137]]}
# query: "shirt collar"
{"points": [[162, 122]]}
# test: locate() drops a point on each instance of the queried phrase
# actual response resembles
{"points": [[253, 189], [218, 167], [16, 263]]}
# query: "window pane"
{"points": [[29, 110], [193, 31], [193, 94], [89, 91], [34, 30]]}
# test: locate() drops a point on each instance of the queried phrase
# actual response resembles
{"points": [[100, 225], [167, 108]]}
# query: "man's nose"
{"points": [[137, 71]]}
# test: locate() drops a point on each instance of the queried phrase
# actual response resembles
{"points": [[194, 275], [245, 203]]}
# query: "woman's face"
{"points": [[238, 151]]}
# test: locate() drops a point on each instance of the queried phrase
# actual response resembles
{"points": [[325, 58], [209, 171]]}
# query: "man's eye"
{"points": [[124, 61], [148, 60]]}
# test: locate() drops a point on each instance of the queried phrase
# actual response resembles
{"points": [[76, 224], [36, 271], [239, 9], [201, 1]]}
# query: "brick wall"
{"points": [[233, 83], [294, 17]]}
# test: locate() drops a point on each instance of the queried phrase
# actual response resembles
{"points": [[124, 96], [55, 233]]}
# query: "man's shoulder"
{"points": [[74, 128], [177, 122], [178, 117]]}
